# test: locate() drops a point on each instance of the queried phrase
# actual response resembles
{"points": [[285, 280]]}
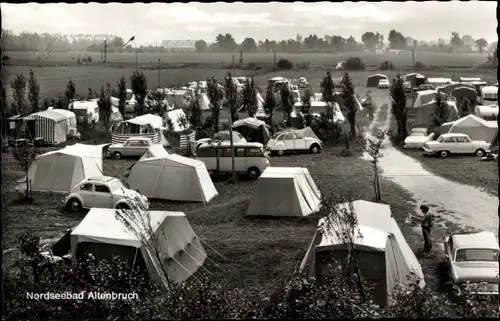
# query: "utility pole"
{"points": [[105, 51], [274, 63], [231, 90], [159, 72], [101, 55], [135, 49], [413, 54]]}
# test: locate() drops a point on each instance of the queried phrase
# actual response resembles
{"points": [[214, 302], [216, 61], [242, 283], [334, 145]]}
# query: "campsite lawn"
{"points": [[468, 170]]}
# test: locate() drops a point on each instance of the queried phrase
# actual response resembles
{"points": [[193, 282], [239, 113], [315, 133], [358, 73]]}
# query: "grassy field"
{"points": [[405, 58]]}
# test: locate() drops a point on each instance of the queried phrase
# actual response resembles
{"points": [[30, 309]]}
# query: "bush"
{"points": [[5, 57], [284, 64], [419, 65], [252, 66], [354, 63], [386, 65], [89, 59]]}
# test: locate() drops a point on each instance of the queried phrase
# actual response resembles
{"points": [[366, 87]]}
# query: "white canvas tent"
{"points": [[475, 127], [156, 150], [285, 192], [424, 97], [59, 171], [70, 119], [385, 256], [50, 125], [101, 234], [486, 112], [173, 177]]}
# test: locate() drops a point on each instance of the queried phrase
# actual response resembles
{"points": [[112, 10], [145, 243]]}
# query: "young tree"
{"points": [[270, 105], [25, 155], [70, 93], [250, 97], [45, 104], [398, 104], [195, 111], [372, 146], [441, 111], [122, 95], [232, 99], [18, 86], [215, 94], [90, 94], [465, 106], [33, 92], [139, 84], [306, 101], [287, 101], [349, 102], [327, 87]]}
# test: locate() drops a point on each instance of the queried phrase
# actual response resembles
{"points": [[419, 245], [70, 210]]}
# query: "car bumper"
{"points": [[428, 151]]}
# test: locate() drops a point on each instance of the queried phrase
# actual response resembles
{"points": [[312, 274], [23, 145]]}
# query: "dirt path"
{"points": [[464, 205]]}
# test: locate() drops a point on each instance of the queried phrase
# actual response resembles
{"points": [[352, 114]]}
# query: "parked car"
{"points": [[303, 83], [456, 143], [102, 192], [384, 83], [249, 158], [133, 147], [417, 138], [289, 141], [222, 136], [472, 261]]}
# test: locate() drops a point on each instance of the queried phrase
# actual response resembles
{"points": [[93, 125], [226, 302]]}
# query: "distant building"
{"points": [[179, 45]]}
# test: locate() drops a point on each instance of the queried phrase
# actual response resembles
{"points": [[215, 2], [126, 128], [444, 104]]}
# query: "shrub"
{"points": [[89, 59], [354, 63], [386, 65], [284, 64], [5, 57], [419, 65]]}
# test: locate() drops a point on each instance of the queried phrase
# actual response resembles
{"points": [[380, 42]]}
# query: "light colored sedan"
{"points": [[417, 138], [456, 143], [384, 83], [294, 140], [102, 192], [472, 260], [133, 147]]}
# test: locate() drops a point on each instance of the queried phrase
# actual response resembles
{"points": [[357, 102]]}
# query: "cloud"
{"points": [[366, 12]]}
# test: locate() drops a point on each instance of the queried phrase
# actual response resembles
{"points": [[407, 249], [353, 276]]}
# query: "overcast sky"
{"points": [[158, 21]]}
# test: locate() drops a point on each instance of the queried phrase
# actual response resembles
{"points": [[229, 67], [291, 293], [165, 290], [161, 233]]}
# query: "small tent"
{"points": [[486, 112], [473, 126], [101, 234], [461, 93], [424, 97], [423, 115], [70, 119], [156, 150], [285, 192], [50, 125], [415, 79], [59, 171], [173, 177], [373, 80], [384, 255], [252, 129]]}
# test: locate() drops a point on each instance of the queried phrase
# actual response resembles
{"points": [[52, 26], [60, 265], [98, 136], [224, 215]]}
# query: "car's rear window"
{"points": [[480, 255]]}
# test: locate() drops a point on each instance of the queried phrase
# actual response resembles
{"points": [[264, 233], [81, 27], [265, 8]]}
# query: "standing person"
{"points": [[426, 224]]}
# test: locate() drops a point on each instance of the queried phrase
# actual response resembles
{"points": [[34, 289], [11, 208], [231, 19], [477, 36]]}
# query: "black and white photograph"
{"points": [[274, 160]]}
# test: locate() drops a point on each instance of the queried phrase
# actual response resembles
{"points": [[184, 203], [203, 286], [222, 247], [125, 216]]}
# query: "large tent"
{"points": [[373, 80], [252, 129], [50, 125], [461, 93], [385, 256], [59, 171], [285, 192], [173, 177], [448, 89], [70, 119], [475, 127], [415, 79], [101, 234], [486, 112], [424, 97], [423, 115], [156, 150]]}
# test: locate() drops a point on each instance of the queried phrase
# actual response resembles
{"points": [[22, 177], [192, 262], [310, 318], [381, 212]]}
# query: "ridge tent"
{"points": [[486, 112], [285, 192], [59, 171], [252, 129], [173, 177], [101, 234], [473, 126], [156, 150], [50, 125], [384, 255], [373, 80], [461, 93], [424, 97]]}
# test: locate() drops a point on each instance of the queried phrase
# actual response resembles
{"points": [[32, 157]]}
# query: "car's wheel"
{"points": [[314, 149], [117, 155], [280, 152], [122, 206], [444, 153], [253, 172], [74, 205], [480, 152]]}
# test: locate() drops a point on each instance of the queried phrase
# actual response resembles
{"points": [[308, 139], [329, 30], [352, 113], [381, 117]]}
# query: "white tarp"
{"points": [[173, 177]]}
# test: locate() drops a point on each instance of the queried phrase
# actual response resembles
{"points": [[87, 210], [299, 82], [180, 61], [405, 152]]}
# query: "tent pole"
{"points": [[135, 257]]}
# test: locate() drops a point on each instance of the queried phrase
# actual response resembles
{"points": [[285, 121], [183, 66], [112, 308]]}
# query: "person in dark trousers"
{"points": [[426, 224]]}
